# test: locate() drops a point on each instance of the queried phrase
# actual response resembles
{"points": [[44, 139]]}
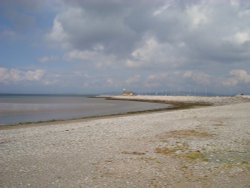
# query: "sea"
{"points": [[16, 109]]}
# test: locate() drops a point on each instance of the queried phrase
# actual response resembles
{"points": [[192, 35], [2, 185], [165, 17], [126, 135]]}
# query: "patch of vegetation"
{"points": [[172, 150], [185, 134], [195, 155], [148, 158], [219, 124], [165, 151], [133, 153], [182, 151]]}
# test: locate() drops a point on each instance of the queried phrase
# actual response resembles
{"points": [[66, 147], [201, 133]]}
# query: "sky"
{"points": [[102, 46]]}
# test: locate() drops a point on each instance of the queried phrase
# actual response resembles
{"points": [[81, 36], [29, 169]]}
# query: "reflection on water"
{"points": [[16, 109]]}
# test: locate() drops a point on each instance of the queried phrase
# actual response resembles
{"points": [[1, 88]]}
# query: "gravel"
{"points": [[201, 147]]}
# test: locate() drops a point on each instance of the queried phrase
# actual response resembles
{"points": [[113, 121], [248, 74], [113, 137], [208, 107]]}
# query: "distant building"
{"points": [[128, 93]]}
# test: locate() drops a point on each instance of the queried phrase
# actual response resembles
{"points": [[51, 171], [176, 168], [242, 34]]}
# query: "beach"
{"points": [[205, 146]]}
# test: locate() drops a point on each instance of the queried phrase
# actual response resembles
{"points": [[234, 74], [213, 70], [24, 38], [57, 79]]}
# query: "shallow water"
{"points": [[33, 108]]}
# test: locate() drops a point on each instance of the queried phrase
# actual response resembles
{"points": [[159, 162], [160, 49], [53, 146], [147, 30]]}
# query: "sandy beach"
{"points": [[199, 147]]}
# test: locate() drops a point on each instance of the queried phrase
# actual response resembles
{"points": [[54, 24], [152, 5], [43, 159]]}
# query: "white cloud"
{"points": [[144, 55], [237, 76], [15, 75], [239, 37], [146, 52], [235, 3], [58, 35], [4, 74], [242, 37], [46, 59], [163, 8], [95, 56], [198, 15], [199, 77], [81, 55], [34, 75], [241, 75], [152, 53]]}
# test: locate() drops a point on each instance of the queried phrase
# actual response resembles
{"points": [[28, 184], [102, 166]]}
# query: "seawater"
{"points": [[33, 108]]}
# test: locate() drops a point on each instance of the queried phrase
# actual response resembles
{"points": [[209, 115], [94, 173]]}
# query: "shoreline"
{"points": [[176, 105], [215, 101], [177, 102]]}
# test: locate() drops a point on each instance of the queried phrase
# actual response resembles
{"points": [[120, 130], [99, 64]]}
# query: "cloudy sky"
{"points": [[89, 46]]}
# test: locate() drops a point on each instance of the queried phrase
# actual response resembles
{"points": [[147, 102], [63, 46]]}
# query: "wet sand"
{"points": [[200, 147]]}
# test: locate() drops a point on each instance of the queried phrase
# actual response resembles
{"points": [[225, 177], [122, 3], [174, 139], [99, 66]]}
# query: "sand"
{"points": [[201, 147]]}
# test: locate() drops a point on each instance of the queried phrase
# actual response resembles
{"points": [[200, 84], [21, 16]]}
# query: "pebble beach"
{"points": [[206, 146]]}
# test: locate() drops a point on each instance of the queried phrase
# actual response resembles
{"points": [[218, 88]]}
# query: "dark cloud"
{"points": [[142, 39], [119, 26], [144, 43]]}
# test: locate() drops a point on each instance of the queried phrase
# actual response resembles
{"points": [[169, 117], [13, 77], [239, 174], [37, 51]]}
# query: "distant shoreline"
{"points": [[177, 102], [174, 106], [19, 110]]}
